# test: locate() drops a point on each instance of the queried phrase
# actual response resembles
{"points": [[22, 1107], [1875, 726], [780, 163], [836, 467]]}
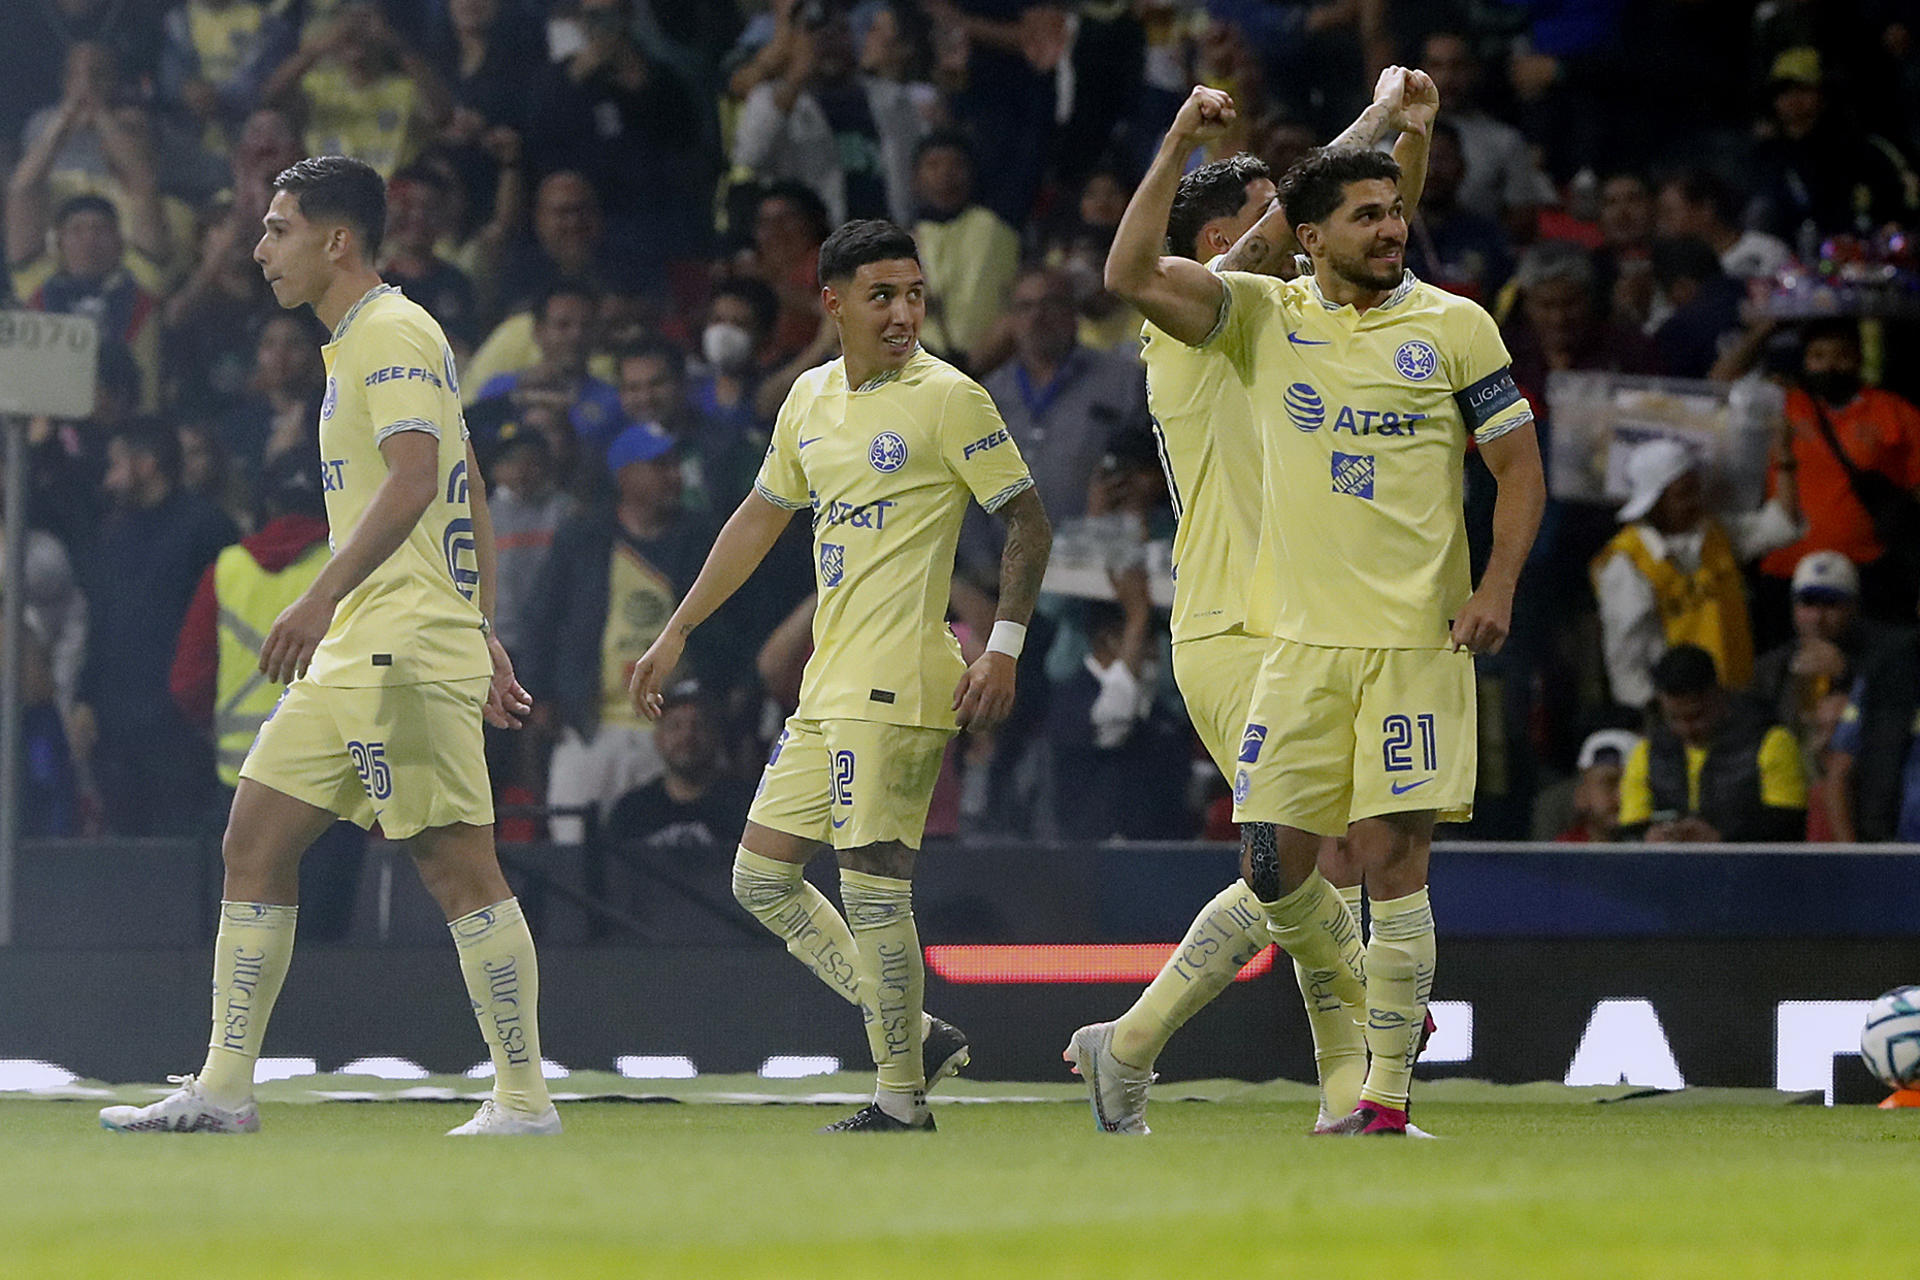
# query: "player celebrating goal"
{"points": [[393, 666], [1366, 385], [884, 445], [1223, 213]]}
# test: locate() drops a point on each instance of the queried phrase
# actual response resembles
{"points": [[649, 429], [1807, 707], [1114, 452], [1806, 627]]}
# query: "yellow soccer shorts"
{"points": [[850, 783], [409, 756], [1216, 675], [1337, 735]]}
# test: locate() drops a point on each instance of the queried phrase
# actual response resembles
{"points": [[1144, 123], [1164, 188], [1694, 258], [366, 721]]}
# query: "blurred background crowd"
{"points": [[613, 207]]}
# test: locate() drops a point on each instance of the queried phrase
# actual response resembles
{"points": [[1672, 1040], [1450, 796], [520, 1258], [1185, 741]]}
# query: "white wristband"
{"points": [[1008, 638]]}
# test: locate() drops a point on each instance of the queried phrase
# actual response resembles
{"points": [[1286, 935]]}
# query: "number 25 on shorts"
{"points": [[370, 762]]}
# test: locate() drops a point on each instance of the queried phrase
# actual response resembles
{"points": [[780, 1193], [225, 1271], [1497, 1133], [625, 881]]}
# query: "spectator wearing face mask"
{"points": [[1876, 431], [733, 351]]}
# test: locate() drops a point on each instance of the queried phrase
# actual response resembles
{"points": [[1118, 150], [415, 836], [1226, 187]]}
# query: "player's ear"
{"points": [[830, 300], [1309, 237]]}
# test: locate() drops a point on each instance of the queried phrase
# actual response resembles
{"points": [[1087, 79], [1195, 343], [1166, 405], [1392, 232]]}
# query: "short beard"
{"points": [[1354, 271]]}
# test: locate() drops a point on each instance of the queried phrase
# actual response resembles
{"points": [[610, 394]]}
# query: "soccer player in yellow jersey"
{"points": [[1204, 424], [1367, 387], [392, 667], [884, 446]]}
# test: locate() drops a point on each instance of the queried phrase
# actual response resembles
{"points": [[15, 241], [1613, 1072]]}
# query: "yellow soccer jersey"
{"points": [[414, 618], [1363, 423], [887, 470], [1210, 450]]}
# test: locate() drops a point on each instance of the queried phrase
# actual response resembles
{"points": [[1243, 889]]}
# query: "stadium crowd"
{"points": [[613, 208]]}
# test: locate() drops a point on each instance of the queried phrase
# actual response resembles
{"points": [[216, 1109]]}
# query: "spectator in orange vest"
{"points": [[1880, 432]]}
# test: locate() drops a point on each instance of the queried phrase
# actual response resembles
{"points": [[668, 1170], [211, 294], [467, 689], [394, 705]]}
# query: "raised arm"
{"points": [[744, 541], [1178, 295], [1514, 460], [985, 696], [1402, 99]]}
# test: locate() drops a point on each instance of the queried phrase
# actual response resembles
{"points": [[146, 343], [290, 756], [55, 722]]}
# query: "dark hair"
{"points": [[1703, 186], [290, 486], [562, 289], [1684, 258], [800, 196], [423, 172], [86, 204], [758, 297], [1684, 671], [946, 140], [1317, 183], [343, 188], [860, 242], [149, 435], [1845, 328], [1217, 189], [656, 349]]}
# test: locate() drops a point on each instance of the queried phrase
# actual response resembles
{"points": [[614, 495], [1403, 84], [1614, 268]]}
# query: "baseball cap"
{"points": [[1826, 577], [642, 442], [683, 693], [1651, 467], [1619, 742], [1798, 65]]}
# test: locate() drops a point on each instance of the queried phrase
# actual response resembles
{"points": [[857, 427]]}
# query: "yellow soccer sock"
{"points": [[1339, 1043], [250, 959], [892, 971], [1351, 894], [779, 897], [503, 980], [1313, 925], [1400, 962], [1228, 932]]}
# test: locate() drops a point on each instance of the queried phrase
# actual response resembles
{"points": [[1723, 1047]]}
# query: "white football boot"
{"points": [[495, 1121], [1117, 1092], [185, 1110]]}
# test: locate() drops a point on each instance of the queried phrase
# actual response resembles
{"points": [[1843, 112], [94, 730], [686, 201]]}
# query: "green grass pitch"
{"points": [[1540, 1191]]}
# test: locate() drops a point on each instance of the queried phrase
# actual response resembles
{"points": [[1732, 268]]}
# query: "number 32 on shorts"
{"points": [[370, 762], [1398, 732]]}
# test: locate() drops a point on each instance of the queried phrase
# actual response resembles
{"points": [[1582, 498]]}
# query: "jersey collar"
{"points": [[1394, 299], [885, 376], [340, 330]]}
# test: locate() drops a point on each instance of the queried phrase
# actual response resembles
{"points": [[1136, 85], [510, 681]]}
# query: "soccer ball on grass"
{"points": [[1890, 1042]]}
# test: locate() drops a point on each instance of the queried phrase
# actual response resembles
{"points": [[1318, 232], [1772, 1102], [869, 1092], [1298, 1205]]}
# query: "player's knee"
{"points": [[758, 889], [1260, 859]]}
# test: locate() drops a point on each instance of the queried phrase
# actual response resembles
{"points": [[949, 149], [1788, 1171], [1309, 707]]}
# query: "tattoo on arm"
{"points": [[1023, 561], [1248, 254]]}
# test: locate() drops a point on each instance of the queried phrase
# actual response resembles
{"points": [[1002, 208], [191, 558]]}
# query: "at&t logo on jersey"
{"points": [[1416, 361], [888, 452], [833, 563], [1309, 413], [1305, 407], [1353, 474], [331, 399], [1251, 741]]}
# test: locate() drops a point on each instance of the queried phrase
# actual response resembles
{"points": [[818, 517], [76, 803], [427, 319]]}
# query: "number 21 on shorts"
{"points": [[1397, 749]]}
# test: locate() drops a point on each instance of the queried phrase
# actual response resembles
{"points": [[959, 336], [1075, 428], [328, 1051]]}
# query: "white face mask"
{"points": [[727, 347]]}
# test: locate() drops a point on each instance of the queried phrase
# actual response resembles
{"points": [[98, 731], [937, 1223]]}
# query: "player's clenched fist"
{"points": [[655, 665], [1205, 114], [985, 696]]}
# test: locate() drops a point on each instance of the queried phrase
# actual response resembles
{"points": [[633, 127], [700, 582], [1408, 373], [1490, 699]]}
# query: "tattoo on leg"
{"points": [[1262, 846], [888, 858]]}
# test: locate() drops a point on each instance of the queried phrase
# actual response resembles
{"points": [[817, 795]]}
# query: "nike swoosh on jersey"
{"points": [[1299, 341], [1401, 789], [805, 443], [839, 822]]}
